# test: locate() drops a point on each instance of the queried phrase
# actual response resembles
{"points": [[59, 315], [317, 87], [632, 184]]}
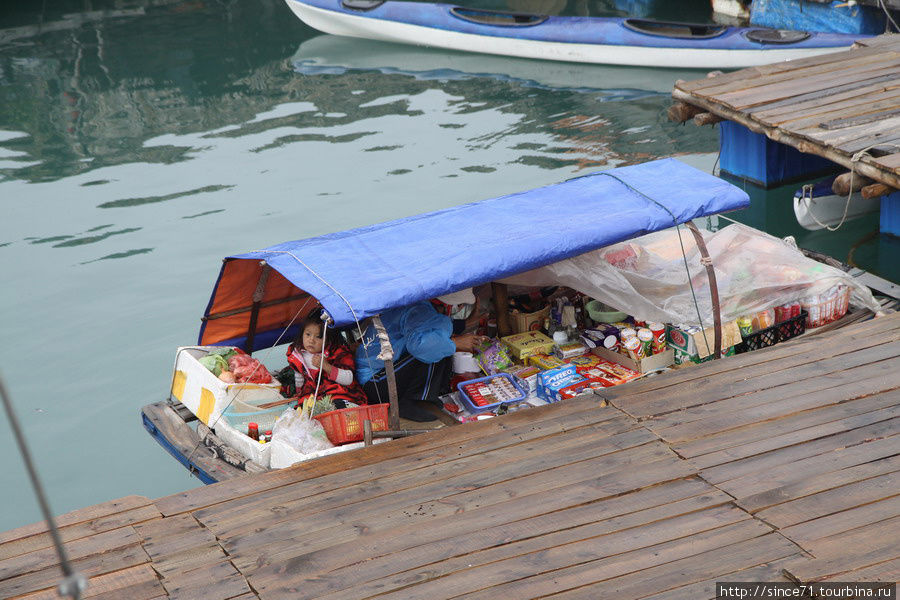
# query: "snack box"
{"points": [[569, 350], [552, 381], [585, 361], [526, 376], [523, 345], [522, 322], [578, 388], [544, 361], [487, 393], [608, 374]]}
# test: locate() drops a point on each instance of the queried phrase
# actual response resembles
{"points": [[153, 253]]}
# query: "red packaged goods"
{"points": [[247, 369], [659, 337], [573, 390]]}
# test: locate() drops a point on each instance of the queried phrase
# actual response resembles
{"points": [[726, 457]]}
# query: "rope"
{"points": [[73, 583], [312, 407], [889, 18], [853, 160], [680, 241]]}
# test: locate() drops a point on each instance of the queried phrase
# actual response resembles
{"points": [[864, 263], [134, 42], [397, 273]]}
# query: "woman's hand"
{"points": [[467, 342]]}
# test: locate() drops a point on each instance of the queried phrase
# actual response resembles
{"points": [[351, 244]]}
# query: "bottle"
{"points": [[253, 431]]}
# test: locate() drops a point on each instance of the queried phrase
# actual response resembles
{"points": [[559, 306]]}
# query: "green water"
{"points": [[141, 142]]}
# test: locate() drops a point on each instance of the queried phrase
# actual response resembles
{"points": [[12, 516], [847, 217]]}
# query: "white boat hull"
{"points": [[688, 58], [817, 213]]}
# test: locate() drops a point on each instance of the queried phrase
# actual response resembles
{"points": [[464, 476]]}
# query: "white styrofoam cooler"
{"points": [[205, 394]]}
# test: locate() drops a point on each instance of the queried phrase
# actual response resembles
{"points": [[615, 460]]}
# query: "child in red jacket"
{"points": [[307, 357]]}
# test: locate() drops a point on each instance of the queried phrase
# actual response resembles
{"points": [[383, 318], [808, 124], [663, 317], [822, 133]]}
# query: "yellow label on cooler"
{"points": [[207, 402], [178, 384]]}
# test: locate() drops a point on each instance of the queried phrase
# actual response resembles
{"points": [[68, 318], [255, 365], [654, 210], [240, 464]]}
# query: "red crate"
{"points": [[346, 425]]}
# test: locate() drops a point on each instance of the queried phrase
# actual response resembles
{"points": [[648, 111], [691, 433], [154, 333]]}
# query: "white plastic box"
{"points": [[206, 395]]}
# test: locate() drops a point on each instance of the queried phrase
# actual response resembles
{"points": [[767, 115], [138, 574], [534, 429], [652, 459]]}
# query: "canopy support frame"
{"points": [[257, 302], [387, 355], [706, 261]]}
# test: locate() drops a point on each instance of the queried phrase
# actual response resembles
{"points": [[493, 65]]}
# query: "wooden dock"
{"points": [[834, 105], [776, 465]]}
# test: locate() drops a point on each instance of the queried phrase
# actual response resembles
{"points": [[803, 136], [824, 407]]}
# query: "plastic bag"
{"points": [[296, 429], [249, 370], [214, 362], [646, 276]]}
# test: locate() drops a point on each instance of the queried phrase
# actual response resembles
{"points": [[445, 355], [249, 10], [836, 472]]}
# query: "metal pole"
{"points": [[73, 583]]}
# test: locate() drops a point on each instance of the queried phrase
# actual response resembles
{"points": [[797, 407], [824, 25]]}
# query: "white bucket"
{"points": [[464, 362]]}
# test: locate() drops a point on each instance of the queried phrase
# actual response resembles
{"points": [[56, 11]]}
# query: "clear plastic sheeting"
{"points": [[647, 278]]}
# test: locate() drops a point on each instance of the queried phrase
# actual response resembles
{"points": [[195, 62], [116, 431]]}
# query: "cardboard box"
{"points": [[645, 365], [551, 382], [692, 347], [522, 322], [523, 345], [683, 358], [544, 361]]}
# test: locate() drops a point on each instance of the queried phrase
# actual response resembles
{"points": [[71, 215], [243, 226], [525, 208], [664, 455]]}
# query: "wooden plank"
{"points": [[607, 481], [706, 590], [579, 444], [703, 558], [415, 449], [861, 111], [791, 454], [96, 564], [832, 501], [863, 167], [881, 535], [815, 529], [776, 402], [80, 530], [47, 557], [891, 161], [882, 70], [800, 487], [810, 467], [706, 398], [219, 581], [809, 424], [801, 351], [190, 559], [772, 72], [74, 517], [134, 583], [871, 546], [534, 576], [887, 571], [316, 574], [817, 102]]}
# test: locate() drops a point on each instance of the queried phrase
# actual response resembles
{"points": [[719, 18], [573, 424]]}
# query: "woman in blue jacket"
{"points": [[423, 343]]}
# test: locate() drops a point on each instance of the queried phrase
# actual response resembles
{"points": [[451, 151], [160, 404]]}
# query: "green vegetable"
{"points": [[323, 405], [215, 363]]}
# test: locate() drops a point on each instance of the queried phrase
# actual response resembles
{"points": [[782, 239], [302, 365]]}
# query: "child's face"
{"points": [[312, 339]]}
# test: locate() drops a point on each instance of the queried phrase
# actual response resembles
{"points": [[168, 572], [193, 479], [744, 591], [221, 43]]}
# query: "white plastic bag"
{"points": [[646, 276], [297, 430]]}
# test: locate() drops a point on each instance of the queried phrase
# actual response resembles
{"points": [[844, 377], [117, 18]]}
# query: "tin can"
{"points": [[746, 326], [796, 309], [611, 342], [645, 336], [779, 313], [659, 337], [633, 348], [627, 332]]}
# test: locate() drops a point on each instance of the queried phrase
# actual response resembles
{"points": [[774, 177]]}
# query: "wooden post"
{"points": [[387, 355], [254, 309], [680, 112], [367, 432], [841, 185], [501, 307], [876, 190], [713, 289]]}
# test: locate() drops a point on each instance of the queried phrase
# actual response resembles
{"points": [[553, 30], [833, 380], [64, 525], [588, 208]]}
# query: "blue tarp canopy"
{"points": [[361, 272]]}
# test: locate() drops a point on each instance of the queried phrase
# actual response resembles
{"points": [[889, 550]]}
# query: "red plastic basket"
{"points": [[346, 425]]}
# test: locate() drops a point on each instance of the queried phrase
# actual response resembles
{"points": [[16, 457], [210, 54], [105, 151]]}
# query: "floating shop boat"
{"points": [[816, 206], [598, 40], [553, 233]]}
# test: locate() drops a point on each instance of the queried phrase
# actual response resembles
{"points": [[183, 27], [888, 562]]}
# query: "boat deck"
{"points": [[834, 106], [777, 465]]}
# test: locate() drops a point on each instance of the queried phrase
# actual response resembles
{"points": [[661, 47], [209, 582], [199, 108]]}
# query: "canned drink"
{"points": [[746, 326], [645, 337], [611, 342], [633, 348], [659, 337], [627, 332], [779, 313], [796, 309]]}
